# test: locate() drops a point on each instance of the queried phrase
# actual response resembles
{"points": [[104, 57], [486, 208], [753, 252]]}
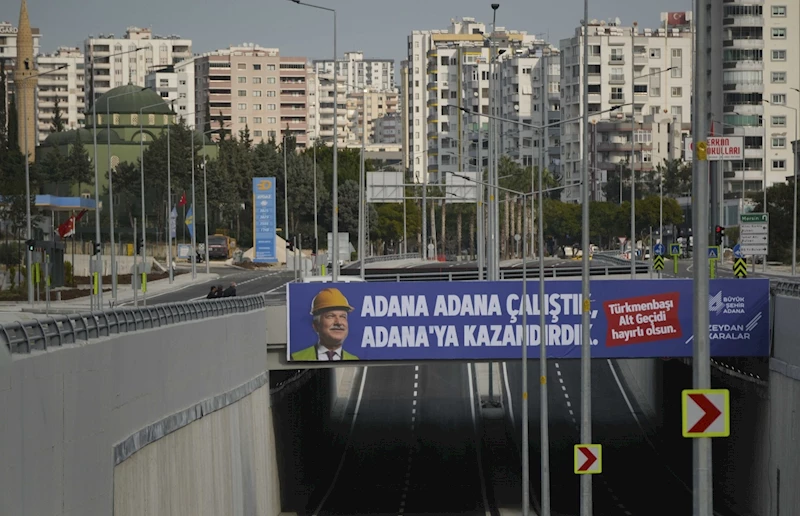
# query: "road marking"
{"points": [[508, 395], [411, 447], [477, 441], [347, 443]]}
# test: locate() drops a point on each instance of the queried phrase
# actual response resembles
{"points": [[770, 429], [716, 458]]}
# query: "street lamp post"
{"points": [[169, 198], [335, 228], [111, 191], [362, 208], [633, 156], [29, 229]]}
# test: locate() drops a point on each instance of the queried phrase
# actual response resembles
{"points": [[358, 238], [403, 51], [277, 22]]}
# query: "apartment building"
{"points": [[450, 68], [323, 95], [360, 73], [295, 73], [64, 89], [377, 104], [389, 129], [8, 51], [175, 84], [118, 63], [646, 71], [754, 87]]}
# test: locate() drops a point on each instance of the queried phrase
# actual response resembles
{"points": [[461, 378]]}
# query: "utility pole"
{"points": [[702, 489]]}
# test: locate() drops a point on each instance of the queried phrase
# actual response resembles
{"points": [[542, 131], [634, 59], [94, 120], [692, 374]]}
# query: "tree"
{"points": [[207, 118], [12, 135], [780, 202], [57, 126], [3, 105], [52, 168], [78, 166], [677, 177]]}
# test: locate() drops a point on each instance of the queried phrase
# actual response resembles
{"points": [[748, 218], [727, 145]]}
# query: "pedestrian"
{"points": [[230, 291], [213, 293], [219, 291]]}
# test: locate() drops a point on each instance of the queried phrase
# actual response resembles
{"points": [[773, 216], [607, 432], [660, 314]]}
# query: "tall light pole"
{"points": [[169, 197], [29, 227], [362, 208], [335, 228], [633, 154], [586, 334], [316, 223], [111, 190], [703, 487], [285, 194]]}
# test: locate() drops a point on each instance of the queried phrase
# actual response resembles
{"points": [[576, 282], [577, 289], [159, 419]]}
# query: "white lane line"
{"points": [[508, 395], [477, 441], [347, 444], [407, 484]]}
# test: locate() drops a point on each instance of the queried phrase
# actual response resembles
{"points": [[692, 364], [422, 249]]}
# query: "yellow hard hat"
{"points": [[329, 298]]}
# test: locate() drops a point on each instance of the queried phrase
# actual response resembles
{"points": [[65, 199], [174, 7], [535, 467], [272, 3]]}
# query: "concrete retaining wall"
{"points": [[63, 411], [223, 463], [643, 379]]}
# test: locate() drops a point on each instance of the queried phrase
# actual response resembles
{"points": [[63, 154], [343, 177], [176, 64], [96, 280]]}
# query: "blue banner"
{"points": [[482, 320], [189, 221], [264, 219]]}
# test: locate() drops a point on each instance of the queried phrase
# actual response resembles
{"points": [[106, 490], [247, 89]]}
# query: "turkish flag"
{"points": [[68, 228], [183, 199], [676, 19]]}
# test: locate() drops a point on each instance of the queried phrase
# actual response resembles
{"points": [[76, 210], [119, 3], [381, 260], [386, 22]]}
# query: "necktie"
{"points": [[330, 354]]}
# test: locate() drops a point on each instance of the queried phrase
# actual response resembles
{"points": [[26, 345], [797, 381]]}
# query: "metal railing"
{"points": [[785, 288], [383, 258], [60, 330]]}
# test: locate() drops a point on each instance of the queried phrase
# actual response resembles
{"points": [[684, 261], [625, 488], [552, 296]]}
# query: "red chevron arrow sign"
{"points": [[706, 413], [588, 459]]}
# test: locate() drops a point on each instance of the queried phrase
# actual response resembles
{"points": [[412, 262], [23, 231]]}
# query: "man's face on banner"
{"points": [[332, 328]]}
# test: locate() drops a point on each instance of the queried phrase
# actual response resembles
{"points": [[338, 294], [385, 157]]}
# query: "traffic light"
{"points": [[719, 235], [97, 248], [31, 245]]}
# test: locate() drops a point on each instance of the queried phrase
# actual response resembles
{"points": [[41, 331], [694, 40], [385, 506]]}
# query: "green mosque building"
{"points": [[127, 130]]}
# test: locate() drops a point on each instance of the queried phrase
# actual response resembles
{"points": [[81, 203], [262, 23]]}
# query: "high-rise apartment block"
{"points": [[389, 129], [253, 87], [376, 104], [754, 87], [323, 95], [118, 63], [359, 73], [175, 84], [63, 88], [647, 72], [453, 67]]}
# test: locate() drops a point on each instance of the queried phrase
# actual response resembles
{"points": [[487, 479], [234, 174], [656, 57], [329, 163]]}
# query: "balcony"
{"points": [[434, 102], [616, 79], [743, 21], [749, 87], [743, 65], [743, 43], [616, 60], [433, 135], [595, 60], [640, 59], [616, 99], [432, 86], [432, 53]]}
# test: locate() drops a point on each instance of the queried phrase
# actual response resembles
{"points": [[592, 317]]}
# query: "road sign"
{"points": [[658, 263], [713, 252], [658, 249], [737, 251], [754, 233], [675, 249], [706, 412], [740, 268], [588, 459], [717, 148]]}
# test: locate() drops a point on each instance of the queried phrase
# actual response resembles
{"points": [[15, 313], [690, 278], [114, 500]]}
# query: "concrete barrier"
{"points": [[70, 414]]}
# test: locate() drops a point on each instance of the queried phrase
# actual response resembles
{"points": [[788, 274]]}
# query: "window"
{"points": [[778, 98], [617, 56], [242, 119], [256, 93], [271, 67], [779, 55], [654, 110], [676, 110], [779, 77], [256, 119], [256, 107], [655, 53], [256, 80], [778, 143], [655, 91], [271, 93], [241, 93], [778, 121], [241, 66], [640, 89], [778, 33], [241, 80], [270, 80], [677, 91], [272, 134], [272, 120], [778, 164], [271, 107], [241, 106], [256, 67], [617, 94], [779, 11]]}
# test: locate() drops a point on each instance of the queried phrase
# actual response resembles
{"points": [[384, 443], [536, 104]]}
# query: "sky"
{"points": [[377, 27]]}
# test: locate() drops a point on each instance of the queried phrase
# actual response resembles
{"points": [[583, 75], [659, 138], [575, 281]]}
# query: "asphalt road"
{"points": [[247, 283], [413, 449]]}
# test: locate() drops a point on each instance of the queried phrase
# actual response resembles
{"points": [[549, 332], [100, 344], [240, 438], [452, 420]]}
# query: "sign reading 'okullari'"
{"points": [[483, 320]]}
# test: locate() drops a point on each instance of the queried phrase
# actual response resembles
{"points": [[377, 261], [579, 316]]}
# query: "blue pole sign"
{"points": [[264, 219], [658, 249]]}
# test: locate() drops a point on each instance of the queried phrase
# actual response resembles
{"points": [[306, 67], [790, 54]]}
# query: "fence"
{"points": [[56, 331]]}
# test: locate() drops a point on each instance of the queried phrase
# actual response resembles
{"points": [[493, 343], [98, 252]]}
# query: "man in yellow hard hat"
{"points": [[330, 310]]}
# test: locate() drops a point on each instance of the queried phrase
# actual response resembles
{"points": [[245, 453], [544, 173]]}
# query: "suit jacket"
{"points": [[309, 354]]}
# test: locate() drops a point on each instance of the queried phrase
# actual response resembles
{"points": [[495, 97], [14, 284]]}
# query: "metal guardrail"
{"points": [[384, 258], [785, 288], [59, 330], [505, 274]]}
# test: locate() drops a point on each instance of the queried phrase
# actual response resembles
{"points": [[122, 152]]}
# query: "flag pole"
{"points": [[74, 234]]}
